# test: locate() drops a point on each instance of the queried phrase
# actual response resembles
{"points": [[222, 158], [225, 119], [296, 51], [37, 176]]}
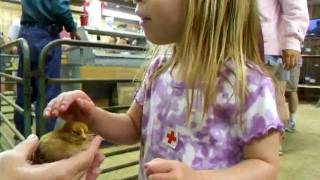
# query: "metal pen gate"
{"points": [[43, 81], [25, 80]]}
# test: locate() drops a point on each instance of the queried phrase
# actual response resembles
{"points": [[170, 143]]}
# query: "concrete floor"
{"points": [[301, 159]]}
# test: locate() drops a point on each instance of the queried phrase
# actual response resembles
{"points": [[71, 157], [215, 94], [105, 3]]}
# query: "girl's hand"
{"points": [[161, 169], [72, 106], [15, 164]]}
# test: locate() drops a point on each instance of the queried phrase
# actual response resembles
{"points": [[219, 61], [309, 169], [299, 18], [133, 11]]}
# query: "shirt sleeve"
{"points": [[261, 114], [63, 14], [295, 19], [14, 30], [144, 92]]}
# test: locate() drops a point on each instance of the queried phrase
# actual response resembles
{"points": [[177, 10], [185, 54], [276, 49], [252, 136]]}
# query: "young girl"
{"points": [[208, 110]]}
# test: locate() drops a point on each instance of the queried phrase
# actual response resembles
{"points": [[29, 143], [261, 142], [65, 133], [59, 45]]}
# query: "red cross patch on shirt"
{"points": [[171, 138]]}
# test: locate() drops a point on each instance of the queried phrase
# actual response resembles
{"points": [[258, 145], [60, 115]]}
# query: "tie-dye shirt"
{"points": [[219, 141]]}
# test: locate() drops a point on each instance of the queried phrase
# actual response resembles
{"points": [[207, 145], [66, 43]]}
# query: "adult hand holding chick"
{"points": [[15, 164], [76, 109], [60, 144]]}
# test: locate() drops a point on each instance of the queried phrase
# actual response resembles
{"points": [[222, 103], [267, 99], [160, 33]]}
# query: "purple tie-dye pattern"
{"points": [[218, 142], [220, 111]]}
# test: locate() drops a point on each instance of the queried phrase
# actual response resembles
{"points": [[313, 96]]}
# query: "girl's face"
{"points": [[162, 20]]}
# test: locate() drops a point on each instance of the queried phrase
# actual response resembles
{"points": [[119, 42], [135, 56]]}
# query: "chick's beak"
{"points": [[83, 134]]}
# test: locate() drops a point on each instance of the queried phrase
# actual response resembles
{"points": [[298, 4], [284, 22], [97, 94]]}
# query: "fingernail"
{"points": [[55, 112], [31, 136]]}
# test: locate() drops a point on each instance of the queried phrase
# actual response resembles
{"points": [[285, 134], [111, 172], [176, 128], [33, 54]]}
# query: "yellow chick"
{"points": [[72, 138]]}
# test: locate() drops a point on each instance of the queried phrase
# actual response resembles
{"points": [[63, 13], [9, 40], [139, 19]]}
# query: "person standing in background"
{"points": [[41, 22], [13, 33], [292, 96], [14, 29], [284, 25]]}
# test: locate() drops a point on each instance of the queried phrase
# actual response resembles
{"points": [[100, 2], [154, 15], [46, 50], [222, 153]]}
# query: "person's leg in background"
{"points": [[275, 66], [19, 118], [37, 37], [293, 101], [52, 70], [282, 105], [292, 96]]}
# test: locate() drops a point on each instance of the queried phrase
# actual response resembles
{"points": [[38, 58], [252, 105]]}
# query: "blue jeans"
{"points": [[37, 37]]}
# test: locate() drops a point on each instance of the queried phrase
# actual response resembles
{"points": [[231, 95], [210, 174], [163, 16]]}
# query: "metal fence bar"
{"points": [[9, 55], [8, 112], [8, 82], [119, 167], [27, 90], [130, 149], [9, 94], [17, 79], [14, 105], [9, 124], [133, 177]]}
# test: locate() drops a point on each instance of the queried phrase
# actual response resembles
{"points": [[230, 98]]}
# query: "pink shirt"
{"points": [[284, 24]]}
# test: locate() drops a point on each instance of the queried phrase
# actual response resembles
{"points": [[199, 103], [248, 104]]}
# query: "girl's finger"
{"points": [[159, 166], [160, 176], [56, 105], [48, 110]]}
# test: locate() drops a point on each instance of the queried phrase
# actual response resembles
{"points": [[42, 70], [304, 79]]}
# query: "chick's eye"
{"points": [[75, 132]]}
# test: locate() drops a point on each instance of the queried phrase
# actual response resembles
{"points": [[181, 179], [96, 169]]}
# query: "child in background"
{"points": [[207, 111]]}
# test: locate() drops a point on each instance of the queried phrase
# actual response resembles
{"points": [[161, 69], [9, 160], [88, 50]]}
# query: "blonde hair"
{"points": [[216, 31]]}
